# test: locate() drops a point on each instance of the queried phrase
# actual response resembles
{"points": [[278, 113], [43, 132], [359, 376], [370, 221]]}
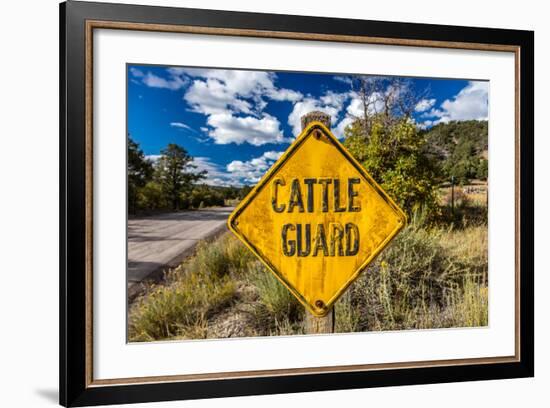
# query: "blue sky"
{"points": [[237, 123]]}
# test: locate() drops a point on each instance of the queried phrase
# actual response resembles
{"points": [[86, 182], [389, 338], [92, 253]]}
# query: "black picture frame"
{"points": [[76, 387]]}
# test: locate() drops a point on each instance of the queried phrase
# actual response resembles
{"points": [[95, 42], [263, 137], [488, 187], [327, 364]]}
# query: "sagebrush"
{"points": [[428, 277]]}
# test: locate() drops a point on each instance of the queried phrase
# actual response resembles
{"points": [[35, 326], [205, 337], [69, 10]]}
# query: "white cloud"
{"points": [[343, 78], [228, 128], [424, 104], [180, 125], [152, 157], [215, 175], [331, 103], [283, 94], [138, 73], [355, 109], [213, 97], [271, 155], [222, 95], [237, 172], [220, 90], [341, 127], [251, 84], [252, 170], [472, 102], [173, 83], [425, 124], [335, 99], [374, 103]]}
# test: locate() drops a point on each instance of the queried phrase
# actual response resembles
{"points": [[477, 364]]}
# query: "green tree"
{"points": [[461, 147], [151, 197], [463, 162], [395, 154], [140, 171], [387, 142], [243, 192], [230, 192], [175, 173], [483, 169]]}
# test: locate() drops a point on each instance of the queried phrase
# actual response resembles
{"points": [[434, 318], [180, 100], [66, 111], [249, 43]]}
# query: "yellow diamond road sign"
{"points": [[316, 219]]}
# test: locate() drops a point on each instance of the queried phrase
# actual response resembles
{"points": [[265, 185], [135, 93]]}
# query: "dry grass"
{"points": [[193, 293], [429, 277]]}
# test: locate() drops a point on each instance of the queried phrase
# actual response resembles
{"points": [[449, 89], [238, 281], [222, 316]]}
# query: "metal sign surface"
{"points": [[316, 219]]}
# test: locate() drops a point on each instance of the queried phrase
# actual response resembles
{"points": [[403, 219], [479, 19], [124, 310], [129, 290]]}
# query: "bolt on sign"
{"points": [[316, 219]]}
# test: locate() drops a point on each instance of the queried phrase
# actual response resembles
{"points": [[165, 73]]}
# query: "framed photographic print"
{"points": [[256, 203]]}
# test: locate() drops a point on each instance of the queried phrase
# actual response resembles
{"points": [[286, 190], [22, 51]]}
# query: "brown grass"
{"points": [[429, 277]]}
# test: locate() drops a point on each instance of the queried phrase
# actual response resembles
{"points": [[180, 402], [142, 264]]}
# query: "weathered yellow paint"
{"points": [[317, 281]]}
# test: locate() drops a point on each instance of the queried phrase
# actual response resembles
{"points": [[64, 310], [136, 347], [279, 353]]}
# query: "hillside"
{"points": [[461, 149]]}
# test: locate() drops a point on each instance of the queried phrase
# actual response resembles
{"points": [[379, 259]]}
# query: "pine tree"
{"points": [[140, 171], [174, 172]]}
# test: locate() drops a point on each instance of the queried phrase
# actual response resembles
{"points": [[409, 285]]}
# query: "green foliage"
{"points": [[427, 278], [140, 171], [192, 293], [224, 256], [174, 173], [461, 148], [171, 182], [244, 192], [482, 170], [275, 299], [209, 284], [207, 196], [394, 154], [151, 197], [180, 309]]}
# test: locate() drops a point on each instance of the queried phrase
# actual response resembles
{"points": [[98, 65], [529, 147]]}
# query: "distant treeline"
{"points": [[171, 182], [461, 149]]}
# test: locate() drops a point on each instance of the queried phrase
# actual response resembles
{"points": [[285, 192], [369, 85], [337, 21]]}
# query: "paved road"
{"points": [[158, 241]]}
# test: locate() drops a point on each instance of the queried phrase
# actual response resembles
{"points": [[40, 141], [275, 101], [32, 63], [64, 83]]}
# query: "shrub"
{"points": [[469, 209], [461, 199], [395, 155], [427, 278], [180, 309], [184, 201], [205, 196], [276, 304], [422, 280], [470, 307], [151, 197], [200, 287]]}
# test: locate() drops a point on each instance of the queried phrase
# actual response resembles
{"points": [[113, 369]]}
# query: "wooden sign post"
{"points": [[318, 324]]}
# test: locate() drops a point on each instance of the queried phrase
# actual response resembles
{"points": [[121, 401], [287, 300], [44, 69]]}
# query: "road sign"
{"points": [[316, 219]]}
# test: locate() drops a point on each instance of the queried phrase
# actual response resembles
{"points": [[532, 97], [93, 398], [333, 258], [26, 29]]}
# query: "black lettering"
{"points": [[310, 182], [295, 197], [320, 241], [307, 238], [351, 229], [337, 207], [324, 193], [289, 247], [336, 235], [276, 208], [352, 194]]}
